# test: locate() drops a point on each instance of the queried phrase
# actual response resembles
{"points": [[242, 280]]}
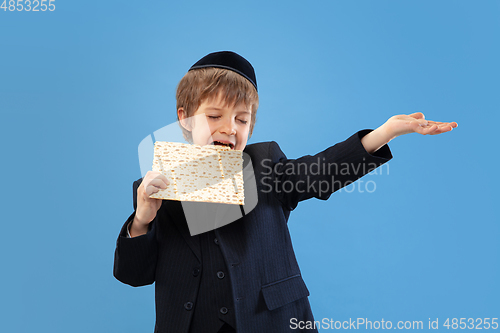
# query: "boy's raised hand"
{"points": [[147, 207], [404, 124], [415, 123]]}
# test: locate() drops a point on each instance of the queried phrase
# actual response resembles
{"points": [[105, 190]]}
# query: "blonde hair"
{"points": [[206, 84]]}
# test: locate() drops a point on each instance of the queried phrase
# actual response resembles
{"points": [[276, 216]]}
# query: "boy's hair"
{"points": [[203, 84]]}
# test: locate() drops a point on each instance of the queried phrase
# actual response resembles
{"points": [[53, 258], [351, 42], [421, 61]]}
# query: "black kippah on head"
{"points": [[228, 60]]}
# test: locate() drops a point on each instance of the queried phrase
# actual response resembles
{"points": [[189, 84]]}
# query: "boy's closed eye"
{"points": [[240, 120]]}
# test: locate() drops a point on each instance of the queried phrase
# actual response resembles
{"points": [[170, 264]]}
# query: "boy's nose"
{"points": [[228, 128]]}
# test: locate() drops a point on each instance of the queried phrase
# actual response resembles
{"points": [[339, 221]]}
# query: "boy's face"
{"points": [[228, 125]]}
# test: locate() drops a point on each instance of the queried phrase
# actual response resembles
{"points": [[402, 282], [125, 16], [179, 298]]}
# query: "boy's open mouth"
{"points": [[219, 143]]}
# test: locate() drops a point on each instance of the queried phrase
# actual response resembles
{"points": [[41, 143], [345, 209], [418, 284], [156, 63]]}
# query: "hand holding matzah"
{"points": [[147, 207], [210, 173], [187, 172]]}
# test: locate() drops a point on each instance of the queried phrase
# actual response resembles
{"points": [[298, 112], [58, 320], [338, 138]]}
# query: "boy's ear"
{"points": [[184, 120]]}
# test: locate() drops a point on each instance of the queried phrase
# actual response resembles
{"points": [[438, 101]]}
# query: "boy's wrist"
{"points": [[137, 228], [376, 139], [139, 221], [385, 133]]}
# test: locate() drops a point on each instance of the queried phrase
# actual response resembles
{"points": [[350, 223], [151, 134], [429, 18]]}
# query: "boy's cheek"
{"points": [[201, 135], [241, 146], [199, 139]]}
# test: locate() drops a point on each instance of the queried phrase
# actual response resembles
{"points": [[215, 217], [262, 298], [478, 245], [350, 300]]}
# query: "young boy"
{"points": [[242, 277]]}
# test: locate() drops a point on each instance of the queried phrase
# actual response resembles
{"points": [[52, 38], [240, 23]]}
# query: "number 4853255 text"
{"points": [[28, 6]]}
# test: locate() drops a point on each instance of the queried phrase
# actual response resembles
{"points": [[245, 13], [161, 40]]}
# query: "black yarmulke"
{"points": [[228, 60]]}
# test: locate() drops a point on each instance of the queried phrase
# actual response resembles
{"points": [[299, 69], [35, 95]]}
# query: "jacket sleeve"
{"points": [[135, 258], [318, 176]]}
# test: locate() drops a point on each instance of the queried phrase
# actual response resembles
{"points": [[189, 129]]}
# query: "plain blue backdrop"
{"points": [[81, 86]]}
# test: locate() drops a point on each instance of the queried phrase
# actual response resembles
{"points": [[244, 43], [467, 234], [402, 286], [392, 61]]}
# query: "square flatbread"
{"points": [[200, 173]]}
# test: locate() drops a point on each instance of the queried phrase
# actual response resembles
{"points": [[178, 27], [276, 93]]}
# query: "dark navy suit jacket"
{"points": [[267, 285]]}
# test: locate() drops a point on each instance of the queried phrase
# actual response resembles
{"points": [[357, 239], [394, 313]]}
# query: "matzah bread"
{"points": [[199, 173]]}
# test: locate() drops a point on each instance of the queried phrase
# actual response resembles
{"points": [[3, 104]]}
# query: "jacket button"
{"points": [[216, 241], [196, 271], [188, 306], [220, 274], [223, 310]]}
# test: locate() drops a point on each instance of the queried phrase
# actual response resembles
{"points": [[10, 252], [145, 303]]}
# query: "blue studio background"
{"points": [[81, 86]]}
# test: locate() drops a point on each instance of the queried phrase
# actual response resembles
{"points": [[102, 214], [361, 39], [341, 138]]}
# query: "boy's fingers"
{"points": [[155, 175], [417, 115], [162, 177], [426, 130], [443, 129], [452, 124], [159, 183], [151, 189], [422, 122], [438, 122]]}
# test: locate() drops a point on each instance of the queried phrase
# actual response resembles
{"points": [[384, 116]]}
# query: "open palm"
{"points": [[416, 123]]}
